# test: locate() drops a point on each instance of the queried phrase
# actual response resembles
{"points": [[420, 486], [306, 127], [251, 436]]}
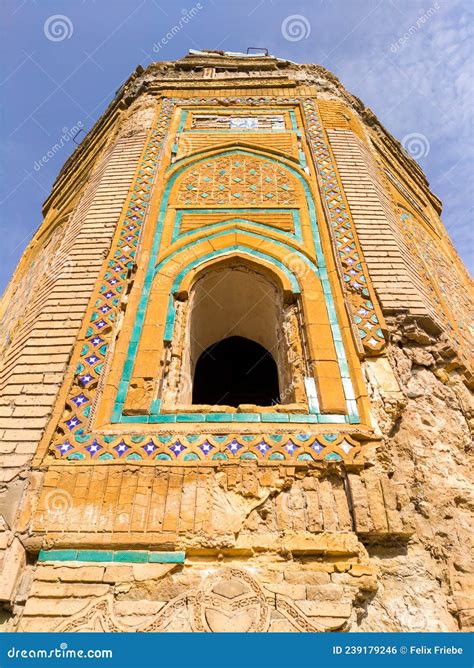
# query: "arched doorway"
{"points": [[236, 371], [240, 308]]}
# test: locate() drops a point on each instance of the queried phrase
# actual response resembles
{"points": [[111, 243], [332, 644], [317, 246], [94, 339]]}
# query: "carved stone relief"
{"points": [[228, 600]]}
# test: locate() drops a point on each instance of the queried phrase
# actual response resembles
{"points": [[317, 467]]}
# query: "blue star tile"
{"points": [[73, 422], [80, 399], [150, 447], [263, 447], [92, 359], [177, 447], [85, 379], [121, 448], [234, 446], [290, 447], [93, 448], [206, 447]]}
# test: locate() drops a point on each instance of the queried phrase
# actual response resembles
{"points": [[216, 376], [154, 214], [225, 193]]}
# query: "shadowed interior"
{"points": [[236, 371]]}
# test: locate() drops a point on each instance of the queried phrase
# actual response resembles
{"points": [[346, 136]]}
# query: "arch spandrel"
{"points": [[236, 178]]}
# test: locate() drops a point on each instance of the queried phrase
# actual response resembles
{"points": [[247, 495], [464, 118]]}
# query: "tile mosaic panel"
{"points": [[238, 181], [211, 447], [359, 291], [73, 438]]}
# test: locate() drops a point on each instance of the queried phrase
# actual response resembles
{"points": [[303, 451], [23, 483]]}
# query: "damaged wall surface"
{"points": [[346, 505]]}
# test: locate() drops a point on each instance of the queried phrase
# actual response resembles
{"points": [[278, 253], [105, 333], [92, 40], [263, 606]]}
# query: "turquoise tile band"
{"points": [[119, 556]]}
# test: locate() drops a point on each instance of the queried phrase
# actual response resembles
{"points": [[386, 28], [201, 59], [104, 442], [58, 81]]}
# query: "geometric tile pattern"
{"points": [[237, 181], [359, 291], [212, 447], [73, 438], [112, 284]]}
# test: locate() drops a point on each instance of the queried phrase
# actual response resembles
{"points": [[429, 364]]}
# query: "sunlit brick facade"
{"points": [[227, 206]]}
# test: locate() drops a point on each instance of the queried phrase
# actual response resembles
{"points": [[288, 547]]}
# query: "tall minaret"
{"points": [[236, 369]]}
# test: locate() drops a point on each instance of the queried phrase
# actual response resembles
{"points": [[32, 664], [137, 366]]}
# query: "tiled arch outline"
{"points": [[64, 440], [296, 235], [320, 271], [234, 250]]}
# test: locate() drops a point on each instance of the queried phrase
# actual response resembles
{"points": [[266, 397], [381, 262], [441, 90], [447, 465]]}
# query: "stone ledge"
{"points": [[301, 543]]}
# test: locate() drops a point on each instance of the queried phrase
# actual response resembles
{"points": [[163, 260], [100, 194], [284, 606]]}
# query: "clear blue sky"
{"points": [[421, 84]]}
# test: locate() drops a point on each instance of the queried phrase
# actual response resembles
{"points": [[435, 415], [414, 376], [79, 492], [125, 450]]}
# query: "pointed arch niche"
{"points": [[250, 262], [237, 299]]}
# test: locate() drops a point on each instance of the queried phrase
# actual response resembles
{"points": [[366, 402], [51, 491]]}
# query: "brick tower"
{"points": [[235, 370]]}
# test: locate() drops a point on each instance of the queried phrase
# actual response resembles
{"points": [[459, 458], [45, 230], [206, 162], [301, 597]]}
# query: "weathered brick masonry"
{"points": [[343, 505]]}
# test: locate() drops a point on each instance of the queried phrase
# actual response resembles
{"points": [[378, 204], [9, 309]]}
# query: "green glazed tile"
{"points": [[130, 556], [246, 417], [190, 417], [94, 555], [57, 555], [218, 417], [275, 417]]}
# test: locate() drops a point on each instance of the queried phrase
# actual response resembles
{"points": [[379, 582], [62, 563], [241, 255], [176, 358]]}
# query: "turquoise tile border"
{"points": [[182, 120], [218, 417], [170, 317], [129, 556], [262, 226], [119, 556], [320, 270], [275, 417], [294, 124], [190, 417], [237, 131], [260, 417], [246, 417]]}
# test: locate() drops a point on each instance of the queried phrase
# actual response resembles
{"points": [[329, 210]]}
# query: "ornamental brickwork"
{"points": [[269, 204]]}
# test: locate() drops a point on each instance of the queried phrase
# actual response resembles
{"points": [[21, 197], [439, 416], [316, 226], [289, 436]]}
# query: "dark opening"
{"points": [[236, 371]]}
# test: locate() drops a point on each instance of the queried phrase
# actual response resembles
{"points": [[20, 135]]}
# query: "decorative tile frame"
{"points": [[360, 293], [319, 270], [72, 439], [237, 216], [170, 448]]}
